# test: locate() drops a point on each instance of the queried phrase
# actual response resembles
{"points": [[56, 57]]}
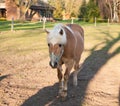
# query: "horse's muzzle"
{"points": [[53, 65]]}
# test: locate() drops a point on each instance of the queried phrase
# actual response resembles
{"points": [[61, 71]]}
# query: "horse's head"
{"points": [[56, 40]]}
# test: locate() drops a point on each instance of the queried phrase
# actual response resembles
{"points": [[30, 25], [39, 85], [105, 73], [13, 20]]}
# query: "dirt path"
{"points": [[29, 81]]}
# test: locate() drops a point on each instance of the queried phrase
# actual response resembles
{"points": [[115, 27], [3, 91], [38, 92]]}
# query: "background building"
{"points": [[9, 10]]}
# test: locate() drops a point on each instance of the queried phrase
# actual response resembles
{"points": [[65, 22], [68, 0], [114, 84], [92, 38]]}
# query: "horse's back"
{"points": [[78, 33], [76, 28]]}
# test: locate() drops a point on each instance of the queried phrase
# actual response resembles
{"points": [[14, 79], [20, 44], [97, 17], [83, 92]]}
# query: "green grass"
{"points": [[30, 37], [6, 25], [22, 42]]}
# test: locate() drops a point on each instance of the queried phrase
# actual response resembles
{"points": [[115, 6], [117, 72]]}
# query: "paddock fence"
{"points": [[45, 23]]}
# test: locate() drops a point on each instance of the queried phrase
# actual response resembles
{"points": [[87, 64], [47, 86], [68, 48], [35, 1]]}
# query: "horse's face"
{"points": [[55, 53], [56, 40]]}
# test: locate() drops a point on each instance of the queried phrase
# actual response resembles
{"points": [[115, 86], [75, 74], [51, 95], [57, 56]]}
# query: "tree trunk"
{"points": [[115, 16]]}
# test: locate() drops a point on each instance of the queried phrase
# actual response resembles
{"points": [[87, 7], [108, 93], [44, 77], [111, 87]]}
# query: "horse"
{"points": [[66, 45]]}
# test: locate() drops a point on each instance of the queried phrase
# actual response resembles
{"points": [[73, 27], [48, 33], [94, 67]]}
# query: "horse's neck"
{"points": [[68, 28], [70, 45]]}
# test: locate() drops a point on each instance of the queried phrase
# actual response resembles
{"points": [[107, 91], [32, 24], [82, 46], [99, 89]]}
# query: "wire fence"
{"points": [[45, 23]]}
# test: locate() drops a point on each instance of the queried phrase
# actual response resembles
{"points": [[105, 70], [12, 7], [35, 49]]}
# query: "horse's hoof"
{"points": [[61, 98], [60, 92], [63, 95]]}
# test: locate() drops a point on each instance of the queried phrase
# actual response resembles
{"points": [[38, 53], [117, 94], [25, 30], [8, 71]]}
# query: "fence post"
{"points": [[12, 24], [108, 21], [44, 21], [95, 21]]}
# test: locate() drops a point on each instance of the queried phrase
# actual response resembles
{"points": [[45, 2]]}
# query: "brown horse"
{"points": [[66, 44]]}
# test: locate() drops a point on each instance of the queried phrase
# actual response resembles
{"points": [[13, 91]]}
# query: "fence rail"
{"points": [[43, 23]]}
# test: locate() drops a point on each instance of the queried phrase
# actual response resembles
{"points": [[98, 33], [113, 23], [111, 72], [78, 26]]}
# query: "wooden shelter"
{"points": [[41, 9], [2, 9], [9, 10]]}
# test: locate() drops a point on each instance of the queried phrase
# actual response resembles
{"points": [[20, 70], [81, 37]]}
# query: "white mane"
{"points": [[55, 37]]}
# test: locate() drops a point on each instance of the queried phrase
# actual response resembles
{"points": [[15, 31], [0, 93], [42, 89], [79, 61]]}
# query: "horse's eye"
{"points": [[60, 45], [48, 44]]}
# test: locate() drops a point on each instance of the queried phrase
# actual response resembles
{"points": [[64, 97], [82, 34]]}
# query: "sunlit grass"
{"points": [[34, 39], [22, 42], [100, 33], [6, 25]]}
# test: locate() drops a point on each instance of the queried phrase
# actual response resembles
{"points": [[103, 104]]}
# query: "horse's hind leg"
{"points": [[77, 68]]}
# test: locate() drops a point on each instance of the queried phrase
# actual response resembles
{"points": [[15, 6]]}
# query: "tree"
{"points": [[89, 11], [110, 8], [114, 7], [116, 10], [59, 7], [69, 8], [92, 10], [83, 10], [24, 5]]}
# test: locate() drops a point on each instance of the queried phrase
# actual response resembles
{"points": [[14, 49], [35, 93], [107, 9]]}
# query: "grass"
{"points": [[30, 37], [22, 42], [6, 25]]}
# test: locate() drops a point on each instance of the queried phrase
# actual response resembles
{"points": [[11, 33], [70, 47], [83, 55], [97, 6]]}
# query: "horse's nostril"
{"points": [[53, 65]]}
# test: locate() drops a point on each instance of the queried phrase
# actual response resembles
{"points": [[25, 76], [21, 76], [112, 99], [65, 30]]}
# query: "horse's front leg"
{"points": [[60, 78], [66, 78]]}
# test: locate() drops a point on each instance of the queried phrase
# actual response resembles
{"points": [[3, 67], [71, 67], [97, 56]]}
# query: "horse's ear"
{"points": [[47, 31], [61, 32]]}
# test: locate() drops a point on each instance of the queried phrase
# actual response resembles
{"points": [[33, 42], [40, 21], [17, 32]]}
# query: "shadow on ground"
{"points": [[91, 66], [3, 77]]}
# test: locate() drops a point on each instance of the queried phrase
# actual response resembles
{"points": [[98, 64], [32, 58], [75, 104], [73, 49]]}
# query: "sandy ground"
{"points": [[29, 80]]}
